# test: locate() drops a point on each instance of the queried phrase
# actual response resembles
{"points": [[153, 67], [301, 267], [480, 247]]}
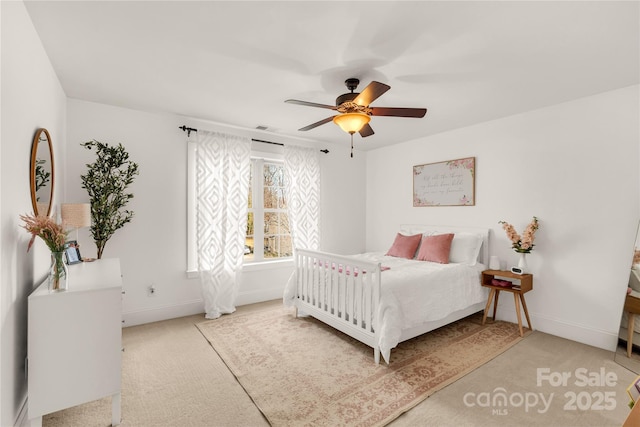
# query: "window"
{"points": [[268, 233], [269, 241]]}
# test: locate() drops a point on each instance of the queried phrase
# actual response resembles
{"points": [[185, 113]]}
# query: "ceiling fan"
{"points": [[354, 109]]}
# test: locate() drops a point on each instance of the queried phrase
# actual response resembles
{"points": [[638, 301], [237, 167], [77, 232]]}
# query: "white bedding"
{"points": [[415, 292]]}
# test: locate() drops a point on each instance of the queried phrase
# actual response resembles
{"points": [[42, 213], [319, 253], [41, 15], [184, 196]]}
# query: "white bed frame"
{"points": [[332, 289]]}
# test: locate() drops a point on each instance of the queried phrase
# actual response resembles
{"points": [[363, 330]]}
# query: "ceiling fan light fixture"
{"points": [[351, 122]]}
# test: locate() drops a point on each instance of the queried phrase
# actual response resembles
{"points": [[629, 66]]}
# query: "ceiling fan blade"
{"points": [[398, 112], [366, 131], [371, 93], [316, 124], [310, 104]]}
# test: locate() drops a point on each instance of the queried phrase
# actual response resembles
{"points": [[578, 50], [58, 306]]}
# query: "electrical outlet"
{"points": [[151, 290]]}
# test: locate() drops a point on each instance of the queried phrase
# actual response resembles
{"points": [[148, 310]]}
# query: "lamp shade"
{"points": [[76, 215], [351, 122]]}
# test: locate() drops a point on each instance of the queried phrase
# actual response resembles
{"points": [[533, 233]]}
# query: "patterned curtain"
{"points": [[222, 190], [302, 168]]}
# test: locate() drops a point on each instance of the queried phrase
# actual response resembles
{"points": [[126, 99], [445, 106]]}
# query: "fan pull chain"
{"points": [[351, 144]]}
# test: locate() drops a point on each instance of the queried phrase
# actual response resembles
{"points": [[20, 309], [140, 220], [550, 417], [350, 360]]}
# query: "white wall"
{"points": [[575, 166], [31, 98], [153, 247]]}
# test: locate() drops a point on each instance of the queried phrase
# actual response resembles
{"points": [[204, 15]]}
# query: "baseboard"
{"points": [[157, 314], [189, 308], [563, 329], [261, 295]]}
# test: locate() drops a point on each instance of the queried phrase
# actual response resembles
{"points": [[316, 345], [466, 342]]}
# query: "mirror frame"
{"points": [[32, 172]]}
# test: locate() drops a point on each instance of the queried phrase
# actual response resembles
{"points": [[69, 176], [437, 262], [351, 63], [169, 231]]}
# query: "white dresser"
{"points": [[74, 342]]}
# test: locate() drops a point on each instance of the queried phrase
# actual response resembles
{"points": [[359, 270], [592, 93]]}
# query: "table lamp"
{"points": [[76, 215]]}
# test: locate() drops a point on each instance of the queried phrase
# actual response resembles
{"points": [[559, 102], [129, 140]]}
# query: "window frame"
{"points": [[259, 210]]}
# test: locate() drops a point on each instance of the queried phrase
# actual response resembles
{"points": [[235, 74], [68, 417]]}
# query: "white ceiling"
{"points": [[236, 62]]}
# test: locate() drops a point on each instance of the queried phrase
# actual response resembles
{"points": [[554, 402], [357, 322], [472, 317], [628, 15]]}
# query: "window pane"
{"points": [[271, 197], [270, 247], [248, 249], [275, 198], [273, 174], [276, 223], [271, 223], [286, 247], [282, 200], [250, 224], [277, 246], [248, 241], [284, 223], [274, 195]]}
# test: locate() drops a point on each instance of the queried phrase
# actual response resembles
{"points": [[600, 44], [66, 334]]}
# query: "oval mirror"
{"points": [[42, 173]]}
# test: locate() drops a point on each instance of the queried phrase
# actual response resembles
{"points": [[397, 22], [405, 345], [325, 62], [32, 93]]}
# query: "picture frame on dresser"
{"points": [[72, 252]]}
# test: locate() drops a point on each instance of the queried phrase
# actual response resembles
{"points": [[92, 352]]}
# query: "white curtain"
{"points": [[222, 189], [302, 169]]}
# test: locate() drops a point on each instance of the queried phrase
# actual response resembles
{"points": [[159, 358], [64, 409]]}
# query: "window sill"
{"points": [[267, 265], [254, 266]]}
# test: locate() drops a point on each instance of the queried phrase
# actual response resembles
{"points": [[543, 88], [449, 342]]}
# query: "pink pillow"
{"points": [[436, 248], [405, 246]]}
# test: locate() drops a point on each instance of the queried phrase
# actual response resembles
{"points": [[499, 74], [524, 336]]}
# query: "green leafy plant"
{"points": [[106, 181], [42, 176]]}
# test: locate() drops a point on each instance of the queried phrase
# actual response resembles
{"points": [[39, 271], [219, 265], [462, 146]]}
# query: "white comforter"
{"points": [[415, 292]]}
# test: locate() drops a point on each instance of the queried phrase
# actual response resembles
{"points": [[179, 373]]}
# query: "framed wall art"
{"points": [[450, 183]]}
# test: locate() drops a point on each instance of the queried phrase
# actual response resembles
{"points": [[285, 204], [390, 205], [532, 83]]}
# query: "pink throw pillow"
{"points": [[436, 248], [405, 246]]}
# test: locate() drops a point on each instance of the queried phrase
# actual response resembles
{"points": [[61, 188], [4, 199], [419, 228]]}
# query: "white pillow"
{"points": [[465, 248]]}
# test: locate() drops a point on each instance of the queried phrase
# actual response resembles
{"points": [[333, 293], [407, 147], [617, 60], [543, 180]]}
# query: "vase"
{"points": [[522, 262], [58, 273], [494, 263]]}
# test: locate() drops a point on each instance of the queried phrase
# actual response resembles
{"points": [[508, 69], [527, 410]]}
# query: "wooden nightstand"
{"points": [[632, 307], [526, 284], [633, 419]]}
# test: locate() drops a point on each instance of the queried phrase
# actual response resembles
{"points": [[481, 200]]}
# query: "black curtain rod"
{"points": [[189, 130], [268, 142]]}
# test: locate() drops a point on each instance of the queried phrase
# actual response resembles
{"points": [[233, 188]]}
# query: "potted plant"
{"points": [[106, 181], [523, 245]]}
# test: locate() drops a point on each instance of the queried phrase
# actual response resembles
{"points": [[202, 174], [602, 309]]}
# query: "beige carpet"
{"points": [[299, 371], [171, 376]]}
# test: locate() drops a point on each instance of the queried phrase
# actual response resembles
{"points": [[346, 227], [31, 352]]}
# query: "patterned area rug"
{"points": [[299, 371]]}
